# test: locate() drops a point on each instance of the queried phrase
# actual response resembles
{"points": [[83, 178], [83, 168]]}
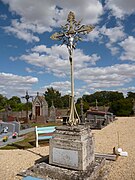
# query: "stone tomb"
{"points": [[72, 147]]}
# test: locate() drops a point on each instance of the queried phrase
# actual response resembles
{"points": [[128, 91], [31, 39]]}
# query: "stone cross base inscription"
{"points": [[72, 147]]}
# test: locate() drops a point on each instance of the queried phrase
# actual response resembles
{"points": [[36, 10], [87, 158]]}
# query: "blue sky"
{"points": [[30, 60]]}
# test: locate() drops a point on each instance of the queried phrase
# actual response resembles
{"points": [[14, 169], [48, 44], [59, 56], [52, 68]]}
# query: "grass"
{"points": [[45, 124], [28, 142]]}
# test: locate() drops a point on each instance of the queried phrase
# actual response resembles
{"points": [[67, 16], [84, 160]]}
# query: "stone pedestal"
{"points": [[72, 147]]}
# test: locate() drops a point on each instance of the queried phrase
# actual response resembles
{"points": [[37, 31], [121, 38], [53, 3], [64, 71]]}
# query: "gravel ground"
{"points": [[124, 167], [15, 161]]}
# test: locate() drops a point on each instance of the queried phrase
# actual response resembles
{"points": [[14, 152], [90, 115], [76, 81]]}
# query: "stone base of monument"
{"points": [[45, 171], [72, 147], [71, 156]]}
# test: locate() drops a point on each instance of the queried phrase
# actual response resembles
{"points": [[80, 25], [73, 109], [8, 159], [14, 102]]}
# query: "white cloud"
{"points": [[126, 89], [114, 34], [98, 79], [107, 77], [40, 16], [55, 59], [129, 50], [29, 70], [114, 50], [63, 87], [3, 16], [15, 85], [94, 34], [121, 8], [21, 31]]}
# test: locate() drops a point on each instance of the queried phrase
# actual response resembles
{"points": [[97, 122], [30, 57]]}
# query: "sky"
{"points": [[31, 61]]}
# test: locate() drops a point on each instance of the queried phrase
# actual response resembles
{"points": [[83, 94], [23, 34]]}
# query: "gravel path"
{"points": [[107, 138], [15, 161]]}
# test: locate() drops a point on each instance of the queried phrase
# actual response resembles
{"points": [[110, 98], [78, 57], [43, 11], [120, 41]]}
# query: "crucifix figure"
{"points": [[70, 34]]}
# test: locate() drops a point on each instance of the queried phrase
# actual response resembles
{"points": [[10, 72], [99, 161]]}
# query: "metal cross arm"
{"points": [[70, 34], [72, 28]]}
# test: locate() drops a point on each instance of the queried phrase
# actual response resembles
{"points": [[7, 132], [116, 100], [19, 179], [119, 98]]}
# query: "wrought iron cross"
{"points": [[27, 97], [70, 34]]}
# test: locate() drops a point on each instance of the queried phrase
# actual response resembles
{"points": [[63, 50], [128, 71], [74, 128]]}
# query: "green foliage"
{"points": [[13, 102], [24, 106], [102, 97], [19, 107], [122, 107], [119, 105], [52, 95], [66, 101], [131, 95], [85, 106], [3, 101]]}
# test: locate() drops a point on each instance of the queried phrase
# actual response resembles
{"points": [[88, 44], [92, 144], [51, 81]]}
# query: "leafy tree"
{"points": [[84, 104], [55, 96], [13, 102], [24, 106], [20, 107], [66, 99], [3, 101], [103, 97], [131, 95], [122, 107]]}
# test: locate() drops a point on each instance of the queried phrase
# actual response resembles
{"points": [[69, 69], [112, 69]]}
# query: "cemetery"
{"points": [[71, 147], [71, 152]]}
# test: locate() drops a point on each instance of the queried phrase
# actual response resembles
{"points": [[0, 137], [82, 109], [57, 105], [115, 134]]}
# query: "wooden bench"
{"points": [[43, 133]]}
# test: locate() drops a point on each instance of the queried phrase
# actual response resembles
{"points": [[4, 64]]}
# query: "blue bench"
{"points": [[43, 133]]}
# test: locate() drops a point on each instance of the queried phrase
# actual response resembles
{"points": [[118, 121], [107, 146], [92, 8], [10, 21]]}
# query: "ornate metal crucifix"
{"points": [[70, 34], [27, 97]]}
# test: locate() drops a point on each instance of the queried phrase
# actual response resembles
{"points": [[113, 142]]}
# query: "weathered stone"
{"points": [[72, 147], [51, 172], [52, 117]]}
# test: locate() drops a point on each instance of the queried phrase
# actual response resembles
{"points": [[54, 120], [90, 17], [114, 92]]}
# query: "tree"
{"points": [[3, 101], [122, 107], [55, 96], [103, 97], [131, 95], [84, 104], [13, 102], [66, 99]]}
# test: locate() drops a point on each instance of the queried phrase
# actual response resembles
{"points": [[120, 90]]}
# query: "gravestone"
{"points": [[52, 117], [17, 126], [11, 126]]}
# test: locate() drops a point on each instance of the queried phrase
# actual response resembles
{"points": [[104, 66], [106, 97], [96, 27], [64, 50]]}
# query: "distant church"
{"points": [[40, 108]]}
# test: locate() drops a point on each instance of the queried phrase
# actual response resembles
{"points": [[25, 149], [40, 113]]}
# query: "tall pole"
{"points": [[72, 89], [70, 34]]}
